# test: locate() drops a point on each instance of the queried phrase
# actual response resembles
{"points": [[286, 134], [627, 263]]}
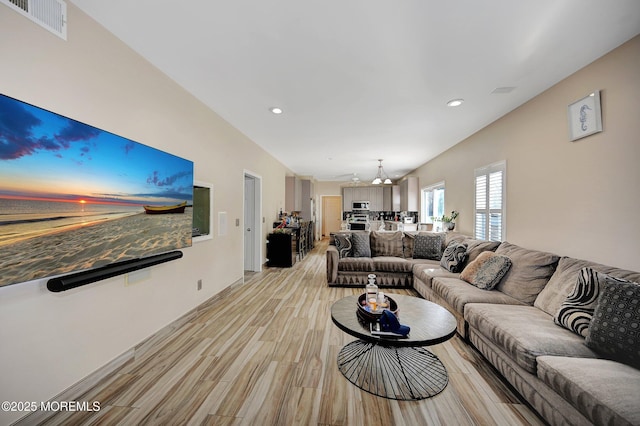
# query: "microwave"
{"points": [[359, 205]]}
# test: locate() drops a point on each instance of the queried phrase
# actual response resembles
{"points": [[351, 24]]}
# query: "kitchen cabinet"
{"points": [[395, 197], [391, 198], [409, 194], [374, 194], [361, 193], [347, 199], [376, 197], [293, 194], [306, 200]]}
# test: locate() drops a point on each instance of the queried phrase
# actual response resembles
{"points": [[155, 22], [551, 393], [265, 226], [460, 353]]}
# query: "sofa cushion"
{"points": [[458, 293], [614, 331], [427, 273], [343, 244], [385, 243], [475, 247], [607, 395], [392, 264], [529, 273], [454, 256], [428, 246], [360, 244], [356, 264], [563, 281], [524, 332], [424, 263], [451, 236], [486, 271]]}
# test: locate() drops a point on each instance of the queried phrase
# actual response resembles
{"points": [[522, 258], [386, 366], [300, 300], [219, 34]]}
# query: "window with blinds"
{"points": [[489, 202]]}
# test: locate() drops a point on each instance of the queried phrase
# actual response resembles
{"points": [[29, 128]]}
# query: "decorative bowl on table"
{"points": [[366, 314]]}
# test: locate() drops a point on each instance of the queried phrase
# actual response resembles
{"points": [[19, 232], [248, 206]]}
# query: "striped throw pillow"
{"points": [[576, 311]]}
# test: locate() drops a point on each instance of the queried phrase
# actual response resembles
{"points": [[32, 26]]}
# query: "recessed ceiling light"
{"points": [[276, 110], [455, 102]]}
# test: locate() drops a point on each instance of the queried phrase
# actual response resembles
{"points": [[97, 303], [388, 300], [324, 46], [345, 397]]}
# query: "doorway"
{"points": [[331, 214], [252, 223]]}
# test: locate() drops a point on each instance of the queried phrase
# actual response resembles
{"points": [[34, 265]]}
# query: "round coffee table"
{"points": [[394, 367]]}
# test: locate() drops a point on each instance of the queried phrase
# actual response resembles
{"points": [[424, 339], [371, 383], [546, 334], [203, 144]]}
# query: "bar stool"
{"points": [[302, 240]]}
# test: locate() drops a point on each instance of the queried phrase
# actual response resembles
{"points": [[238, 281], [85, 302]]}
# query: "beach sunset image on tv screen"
{"points": [[74, 197]]}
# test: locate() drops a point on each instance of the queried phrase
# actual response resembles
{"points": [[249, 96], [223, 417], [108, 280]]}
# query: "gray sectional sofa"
{"points": [[353, 255], [563, 371]]}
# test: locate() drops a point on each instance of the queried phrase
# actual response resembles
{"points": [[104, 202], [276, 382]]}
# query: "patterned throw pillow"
{"points": [[615, 327], [360, 244], [428, 246], [454, 256], [343, 244], [576, 311], [486, 271], [386, 243]]}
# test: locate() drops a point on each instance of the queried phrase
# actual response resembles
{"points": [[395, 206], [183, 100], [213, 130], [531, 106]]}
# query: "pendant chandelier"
{"points": [[381, 173]]}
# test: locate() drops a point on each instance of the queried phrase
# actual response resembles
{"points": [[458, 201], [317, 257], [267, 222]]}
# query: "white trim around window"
{"points": [[490, 183], [431, 202]]}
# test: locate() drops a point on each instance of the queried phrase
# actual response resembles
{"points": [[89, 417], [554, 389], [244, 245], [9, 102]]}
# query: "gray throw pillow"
{"points": [[454, 256], [615, 327], [428, 246], [360, 244], [576, 311], [486, 271], [386, 243], [343, 244]]}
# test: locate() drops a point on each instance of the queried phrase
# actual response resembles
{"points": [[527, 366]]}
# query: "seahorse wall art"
{"points": [[583, 117]]}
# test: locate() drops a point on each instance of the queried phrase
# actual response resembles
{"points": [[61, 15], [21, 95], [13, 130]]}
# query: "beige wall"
{"points": [[579, 198], [50, 341], [328, 188]]}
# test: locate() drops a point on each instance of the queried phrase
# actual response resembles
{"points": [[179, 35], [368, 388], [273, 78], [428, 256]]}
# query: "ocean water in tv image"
{"points": [[74, 197]]}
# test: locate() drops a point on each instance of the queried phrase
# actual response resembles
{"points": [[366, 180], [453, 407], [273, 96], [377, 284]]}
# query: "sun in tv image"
{"points": [[74, 197]]}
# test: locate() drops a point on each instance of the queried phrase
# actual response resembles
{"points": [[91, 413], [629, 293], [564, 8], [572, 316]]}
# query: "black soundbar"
{"points": [[78, 279]]}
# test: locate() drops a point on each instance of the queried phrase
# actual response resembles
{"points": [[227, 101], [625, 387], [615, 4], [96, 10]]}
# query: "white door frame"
{"points": [[257, 225]]}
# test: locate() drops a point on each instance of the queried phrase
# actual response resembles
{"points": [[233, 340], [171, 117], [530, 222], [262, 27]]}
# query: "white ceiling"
{"points": [[365, 79]]}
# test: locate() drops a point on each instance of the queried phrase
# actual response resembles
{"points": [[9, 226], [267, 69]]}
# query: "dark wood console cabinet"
{"points": [[281, 249]]}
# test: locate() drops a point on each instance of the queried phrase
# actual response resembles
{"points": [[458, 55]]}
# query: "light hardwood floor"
{"points": [[264, 353]]}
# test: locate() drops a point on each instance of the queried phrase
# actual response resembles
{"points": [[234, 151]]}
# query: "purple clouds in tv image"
{"points": [[17, 137], [128, 147], [42, 152], [168, 181]]}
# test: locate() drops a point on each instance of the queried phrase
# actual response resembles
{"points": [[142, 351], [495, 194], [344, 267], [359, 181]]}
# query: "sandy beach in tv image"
{"points": [[74, 197]]}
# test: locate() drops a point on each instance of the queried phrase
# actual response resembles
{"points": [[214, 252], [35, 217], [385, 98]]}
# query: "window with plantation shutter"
{"points": [[489, 204]]}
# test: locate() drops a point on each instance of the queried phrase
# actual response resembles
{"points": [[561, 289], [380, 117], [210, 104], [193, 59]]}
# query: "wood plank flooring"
{"points": [[265, 353]]}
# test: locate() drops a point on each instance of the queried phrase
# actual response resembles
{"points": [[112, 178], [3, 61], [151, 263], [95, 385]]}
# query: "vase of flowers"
{"points": [[448, 223]]}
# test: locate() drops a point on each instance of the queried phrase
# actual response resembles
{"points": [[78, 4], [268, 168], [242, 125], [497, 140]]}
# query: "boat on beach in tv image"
{"points": [[74, 197], [178, 208]]}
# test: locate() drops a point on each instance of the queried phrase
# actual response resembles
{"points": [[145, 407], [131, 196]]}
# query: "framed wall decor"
{"points": [[585, 116]]}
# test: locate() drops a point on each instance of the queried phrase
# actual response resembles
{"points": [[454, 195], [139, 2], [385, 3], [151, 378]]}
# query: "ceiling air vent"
{"points": [[503, 90], [50, 14]]}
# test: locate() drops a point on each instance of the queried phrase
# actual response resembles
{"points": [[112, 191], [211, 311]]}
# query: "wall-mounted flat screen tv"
{"points": [[75, 198]]}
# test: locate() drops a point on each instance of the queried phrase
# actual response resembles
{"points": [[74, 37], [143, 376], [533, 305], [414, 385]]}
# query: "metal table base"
{"points": [[402, 373]]}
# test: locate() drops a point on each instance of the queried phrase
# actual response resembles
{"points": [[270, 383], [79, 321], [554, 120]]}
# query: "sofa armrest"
{"points": [[332, 264]]}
